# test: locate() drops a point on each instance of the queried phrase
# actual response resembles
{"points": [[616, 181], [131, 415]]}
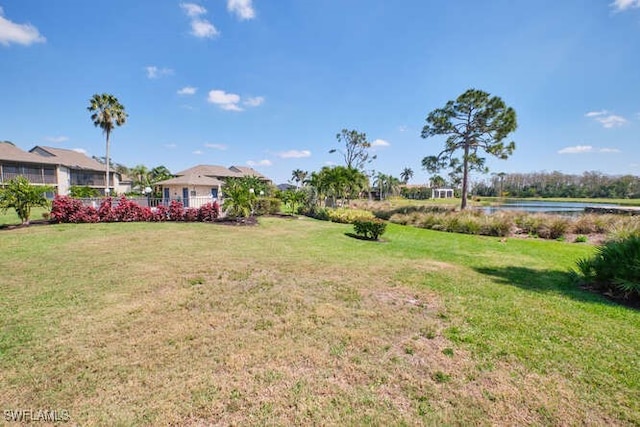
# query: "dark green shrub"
{"points": [[370, 229], [615, 268], [267, 206]]}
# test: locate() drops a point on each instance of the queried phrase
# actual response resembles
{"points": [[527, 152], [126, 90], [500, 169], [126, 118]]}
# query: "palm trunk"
{"points": [[106, 188]]}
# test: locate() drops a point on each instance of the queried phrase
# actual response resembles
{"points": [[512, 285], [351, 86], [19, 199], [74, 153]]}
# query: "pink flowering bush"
{"points": [[69, 210]]}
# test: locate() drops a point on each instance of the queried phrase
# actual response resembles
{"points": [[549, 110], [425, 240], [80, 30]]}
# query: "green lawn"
{"points": [[293, 322]]}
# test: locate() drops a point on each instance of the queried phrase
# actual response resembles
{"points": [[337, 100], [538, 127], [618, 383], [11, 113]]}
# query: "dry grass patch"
{"points": [[192, 324]]}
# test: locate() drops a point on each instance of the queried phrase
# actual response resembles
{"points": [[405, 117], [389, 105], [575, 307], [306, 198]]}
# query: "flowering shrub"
{"points": [[67, 209], [190, 214], [176, 211], [105, 211], [208, 212], [63, 208], [161, 214]]}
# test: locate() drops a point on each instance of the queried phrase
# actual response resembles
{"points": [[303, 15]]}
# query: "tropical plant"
{"points": [[355, 153], [107, 113], [614, 269], [474, 122], [406, 175], [239, 197], [387, 185], [299, 176], [140, 176], [22, 196], [83, 191]]}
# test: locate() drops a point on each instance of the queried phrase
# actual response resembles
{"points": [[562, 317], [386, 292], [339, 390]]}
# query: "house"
{"points": [[203, 183], [57, 167]]}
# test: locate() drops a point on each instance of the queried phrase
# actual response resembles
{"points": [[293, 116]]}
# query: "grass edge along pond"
{"points": [[294, 322]]}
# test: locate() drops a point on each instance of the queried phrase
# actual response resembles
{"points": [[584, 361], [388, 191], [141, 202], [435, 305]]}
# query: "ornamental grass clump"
{"points": [[615, 269]]}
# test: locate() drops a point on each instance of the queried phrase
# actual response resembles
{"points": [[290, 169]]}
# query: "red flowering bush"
{"points": [[161, 214], [128, 211], [209, 212], [176, 211], [68, 209], [105, 211], [190, 214], [64, 207]]}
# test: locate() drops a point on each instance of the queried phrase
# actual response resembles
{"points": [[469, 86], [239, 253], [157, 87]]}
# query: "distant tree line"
{"points": [[556, 184]]}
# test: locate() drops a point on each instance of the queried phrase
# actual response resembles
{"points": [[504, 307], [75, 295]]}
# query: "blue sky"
{"points": [[269, 83]]}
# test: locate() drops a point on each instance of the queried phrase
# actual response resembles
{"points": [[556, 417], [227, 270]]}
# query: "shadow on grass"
{"points": [[544, 281]]}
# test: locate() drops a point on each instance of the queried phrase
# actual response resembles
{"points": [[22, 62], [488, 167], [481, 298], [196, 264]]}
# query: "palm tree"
{"points": [[299, 176], [107, 114], [140, 175], [406, 175]]}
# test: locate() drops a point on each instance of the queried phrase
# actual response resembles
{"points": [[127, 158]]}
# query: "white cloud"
{"points": [[255, 101], [57, 139], [202, 28], [170, 146], [192, 9], [380, 143], [403, 128], [24, 34], [620, 5], [187, 90], [264, 162], [154, 72], [224, 100], [197, 152], [577, 149], [606, 119], [220, 147], [242, 8], [80, 150], [609, 150], [294, 154]]}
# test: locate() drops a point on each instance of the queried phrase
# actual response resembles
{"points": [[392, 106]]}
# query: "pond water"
{"points": [[543, 206]]}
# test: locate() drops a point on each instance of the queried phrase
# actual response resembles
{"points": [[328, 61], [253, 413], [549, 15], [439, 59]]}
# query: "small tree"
{"points": [[474, 122], [356, 153], [22, 196]]}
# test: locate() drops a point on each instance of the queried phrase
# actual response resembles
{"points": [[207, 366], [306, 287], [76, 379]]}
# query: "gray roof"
{"points": [[12, 153], [49, 156], [192, 179], [247, 171], [210, 170], [70, 158]]}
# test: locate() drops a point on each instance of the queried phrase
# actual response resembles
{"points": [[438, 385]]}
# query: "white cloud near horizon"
{"points": [[170, 145], [24, 34], [220, 147], [196, 152], [243, 9], [581, 149], [606, 119], [294, 154], [57, 139], [81, 151], [154, 72], [621, 5], [380, 143], [200, 27], [264, 162], [231, 101], [187, 90], [577, 149]]}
